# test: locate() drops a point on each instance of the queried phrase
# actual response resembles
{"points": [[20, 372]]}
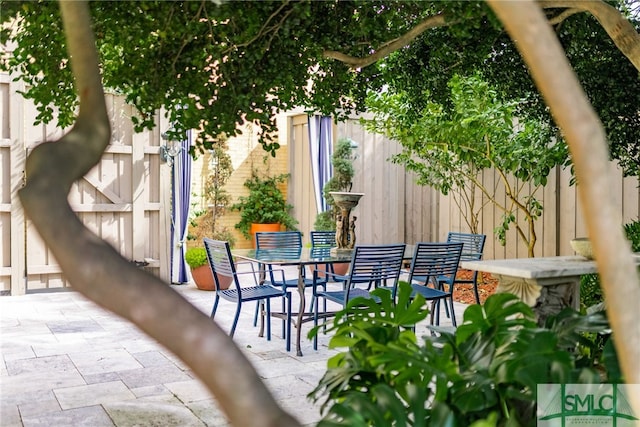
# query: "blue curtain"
{"points": [[321, 149], [181, 193]]}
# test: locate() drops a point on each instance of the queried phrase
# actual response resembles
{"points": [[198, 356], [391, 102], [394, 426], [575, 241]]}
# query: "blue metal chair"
{"points": [[221, 263], [281, 240], [323, 238], [471, 251], [327, 239], [435, 264], [371, 266]]}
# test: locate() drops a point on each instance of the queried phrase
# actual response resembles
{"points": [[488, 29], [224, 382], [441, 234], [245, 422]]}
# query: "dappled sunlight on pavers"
{"points": [[67, 362]]}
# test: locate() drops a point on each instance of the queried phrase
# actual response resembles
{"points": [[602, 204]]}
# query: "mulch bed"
{"points": [[464, 293]]}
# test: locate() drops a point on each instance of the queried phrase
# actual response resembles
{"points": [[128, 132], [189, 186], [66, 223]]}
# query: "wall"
{"points": [[246, 155]]}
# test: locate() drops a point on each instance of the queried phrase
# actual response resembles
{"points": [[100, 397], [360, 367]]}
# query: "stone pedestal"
{"points": [[345, 224], [546, 296]]}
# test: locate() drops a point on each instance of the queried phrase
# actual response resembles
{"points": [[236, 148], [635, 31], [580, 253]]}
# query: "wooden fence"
{"points": [[395, 209], [126, 198]]}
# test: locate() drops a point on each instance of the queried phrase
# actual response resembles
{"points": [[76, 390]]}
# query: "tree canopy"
{"points": [[448, 146], [95, 269], [216, 66]]}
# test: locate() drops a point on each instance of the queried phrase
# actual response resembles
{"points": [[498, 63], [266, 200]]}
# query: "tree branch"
{"points": [[619, 29], [555, 20], [585, 135], [100, 273], [431, 22]]}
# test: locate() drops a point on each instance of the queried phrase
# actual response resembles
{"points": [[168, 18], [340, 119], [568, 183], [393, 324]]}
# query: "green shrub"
{"points": [[343, 171], [196, 257], [487, 369], [265, 204], [632, 230], [590, 290]]}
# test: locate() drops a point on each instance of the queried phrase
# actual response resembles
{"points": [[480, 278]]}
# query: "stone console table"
{"points": [[546, 284]]}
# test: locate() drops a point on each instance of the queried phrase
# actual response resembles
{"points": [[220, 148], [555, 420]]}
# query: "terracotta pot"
{"points": [[340, 268], [203, 278], [255, 228]]}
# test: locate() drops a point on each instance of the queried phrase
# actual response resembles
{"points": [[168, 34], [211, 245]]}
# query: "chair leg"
{"points": [[315, 323], [475, 287], [288, 335], [446, 307], [235, 319], [268, 302], [433, 311], [215, 306], [255, 316], [324, 310], [453, 314], [284, 321]]}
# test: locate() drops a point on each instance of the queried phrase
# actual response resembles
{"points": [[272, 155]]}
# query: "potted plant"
{"points": [[265, 204], [342, 161], [196, 258], [206, 223]]}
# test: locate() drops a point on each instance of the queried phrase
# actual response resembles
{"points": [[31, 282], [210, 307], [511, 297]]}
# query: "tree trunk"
{"points": [[570, 107], [97, 271]]}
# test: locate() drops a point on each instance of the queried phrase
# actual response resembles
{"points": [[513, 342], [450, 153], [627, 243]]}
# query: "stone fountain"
{"points": [[345, 224]]}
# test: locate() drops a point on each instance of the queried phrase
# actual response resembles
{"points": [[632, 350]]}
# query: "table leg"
{"points": [[301, 310], [262, 277]]}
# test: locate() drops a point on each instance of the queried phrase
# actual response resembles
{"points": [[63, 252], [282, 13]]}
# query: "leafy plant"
{"points": [[265, 204], [592, 298], [342, 161], [196, 257], [632, 230], [206, 223], [590, 289], [448, 145], [484, 371]]}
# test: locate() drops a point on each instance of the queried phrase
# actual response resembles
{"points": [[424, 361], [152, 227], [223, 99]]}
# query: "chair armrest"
{"points": [[250, 263], [256, 275]]}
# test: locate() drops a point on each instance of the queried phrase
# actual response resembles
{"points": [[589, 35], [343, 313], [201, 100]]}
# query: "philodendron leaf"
{"points": [[388, 400]]}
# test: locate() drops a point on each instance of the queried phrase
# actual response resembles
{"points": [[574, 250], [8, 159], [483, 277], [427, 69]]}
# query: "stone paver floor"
{"points": [[67, 362]]}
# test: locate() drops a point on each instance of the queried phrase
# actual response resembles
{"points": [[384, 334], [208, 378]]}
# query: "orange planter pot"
{"points": [[258, 228], [203, 278], [341, 268]]}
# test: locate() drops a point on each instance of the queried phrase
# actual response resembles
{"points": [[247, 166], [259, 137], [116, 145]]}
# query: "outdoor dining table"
{"points": [[300, 257]]}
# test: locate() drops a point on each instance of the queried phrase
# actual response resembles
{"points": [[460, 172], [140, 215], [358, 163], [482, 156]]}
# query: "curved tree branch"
{"points": [[622, 33], [564, 15], [96, 270], [570, 107], [431, 22]]}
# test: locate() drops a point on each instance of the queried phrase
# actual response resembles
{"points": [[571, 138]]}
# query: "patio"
{"points": [[67, 362]]}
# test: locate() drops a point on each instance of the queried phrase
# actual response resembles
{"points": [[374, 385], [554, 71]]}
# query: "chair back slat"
{"points": [[376, 264], [221, 261], [433, 262], [473, 244], [323, 239], [278, 239]]}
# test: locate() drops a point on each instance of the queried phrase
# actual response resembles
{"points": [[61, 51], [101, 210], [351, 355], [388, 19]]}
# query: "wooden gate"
{"points": [[125, 199]]}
